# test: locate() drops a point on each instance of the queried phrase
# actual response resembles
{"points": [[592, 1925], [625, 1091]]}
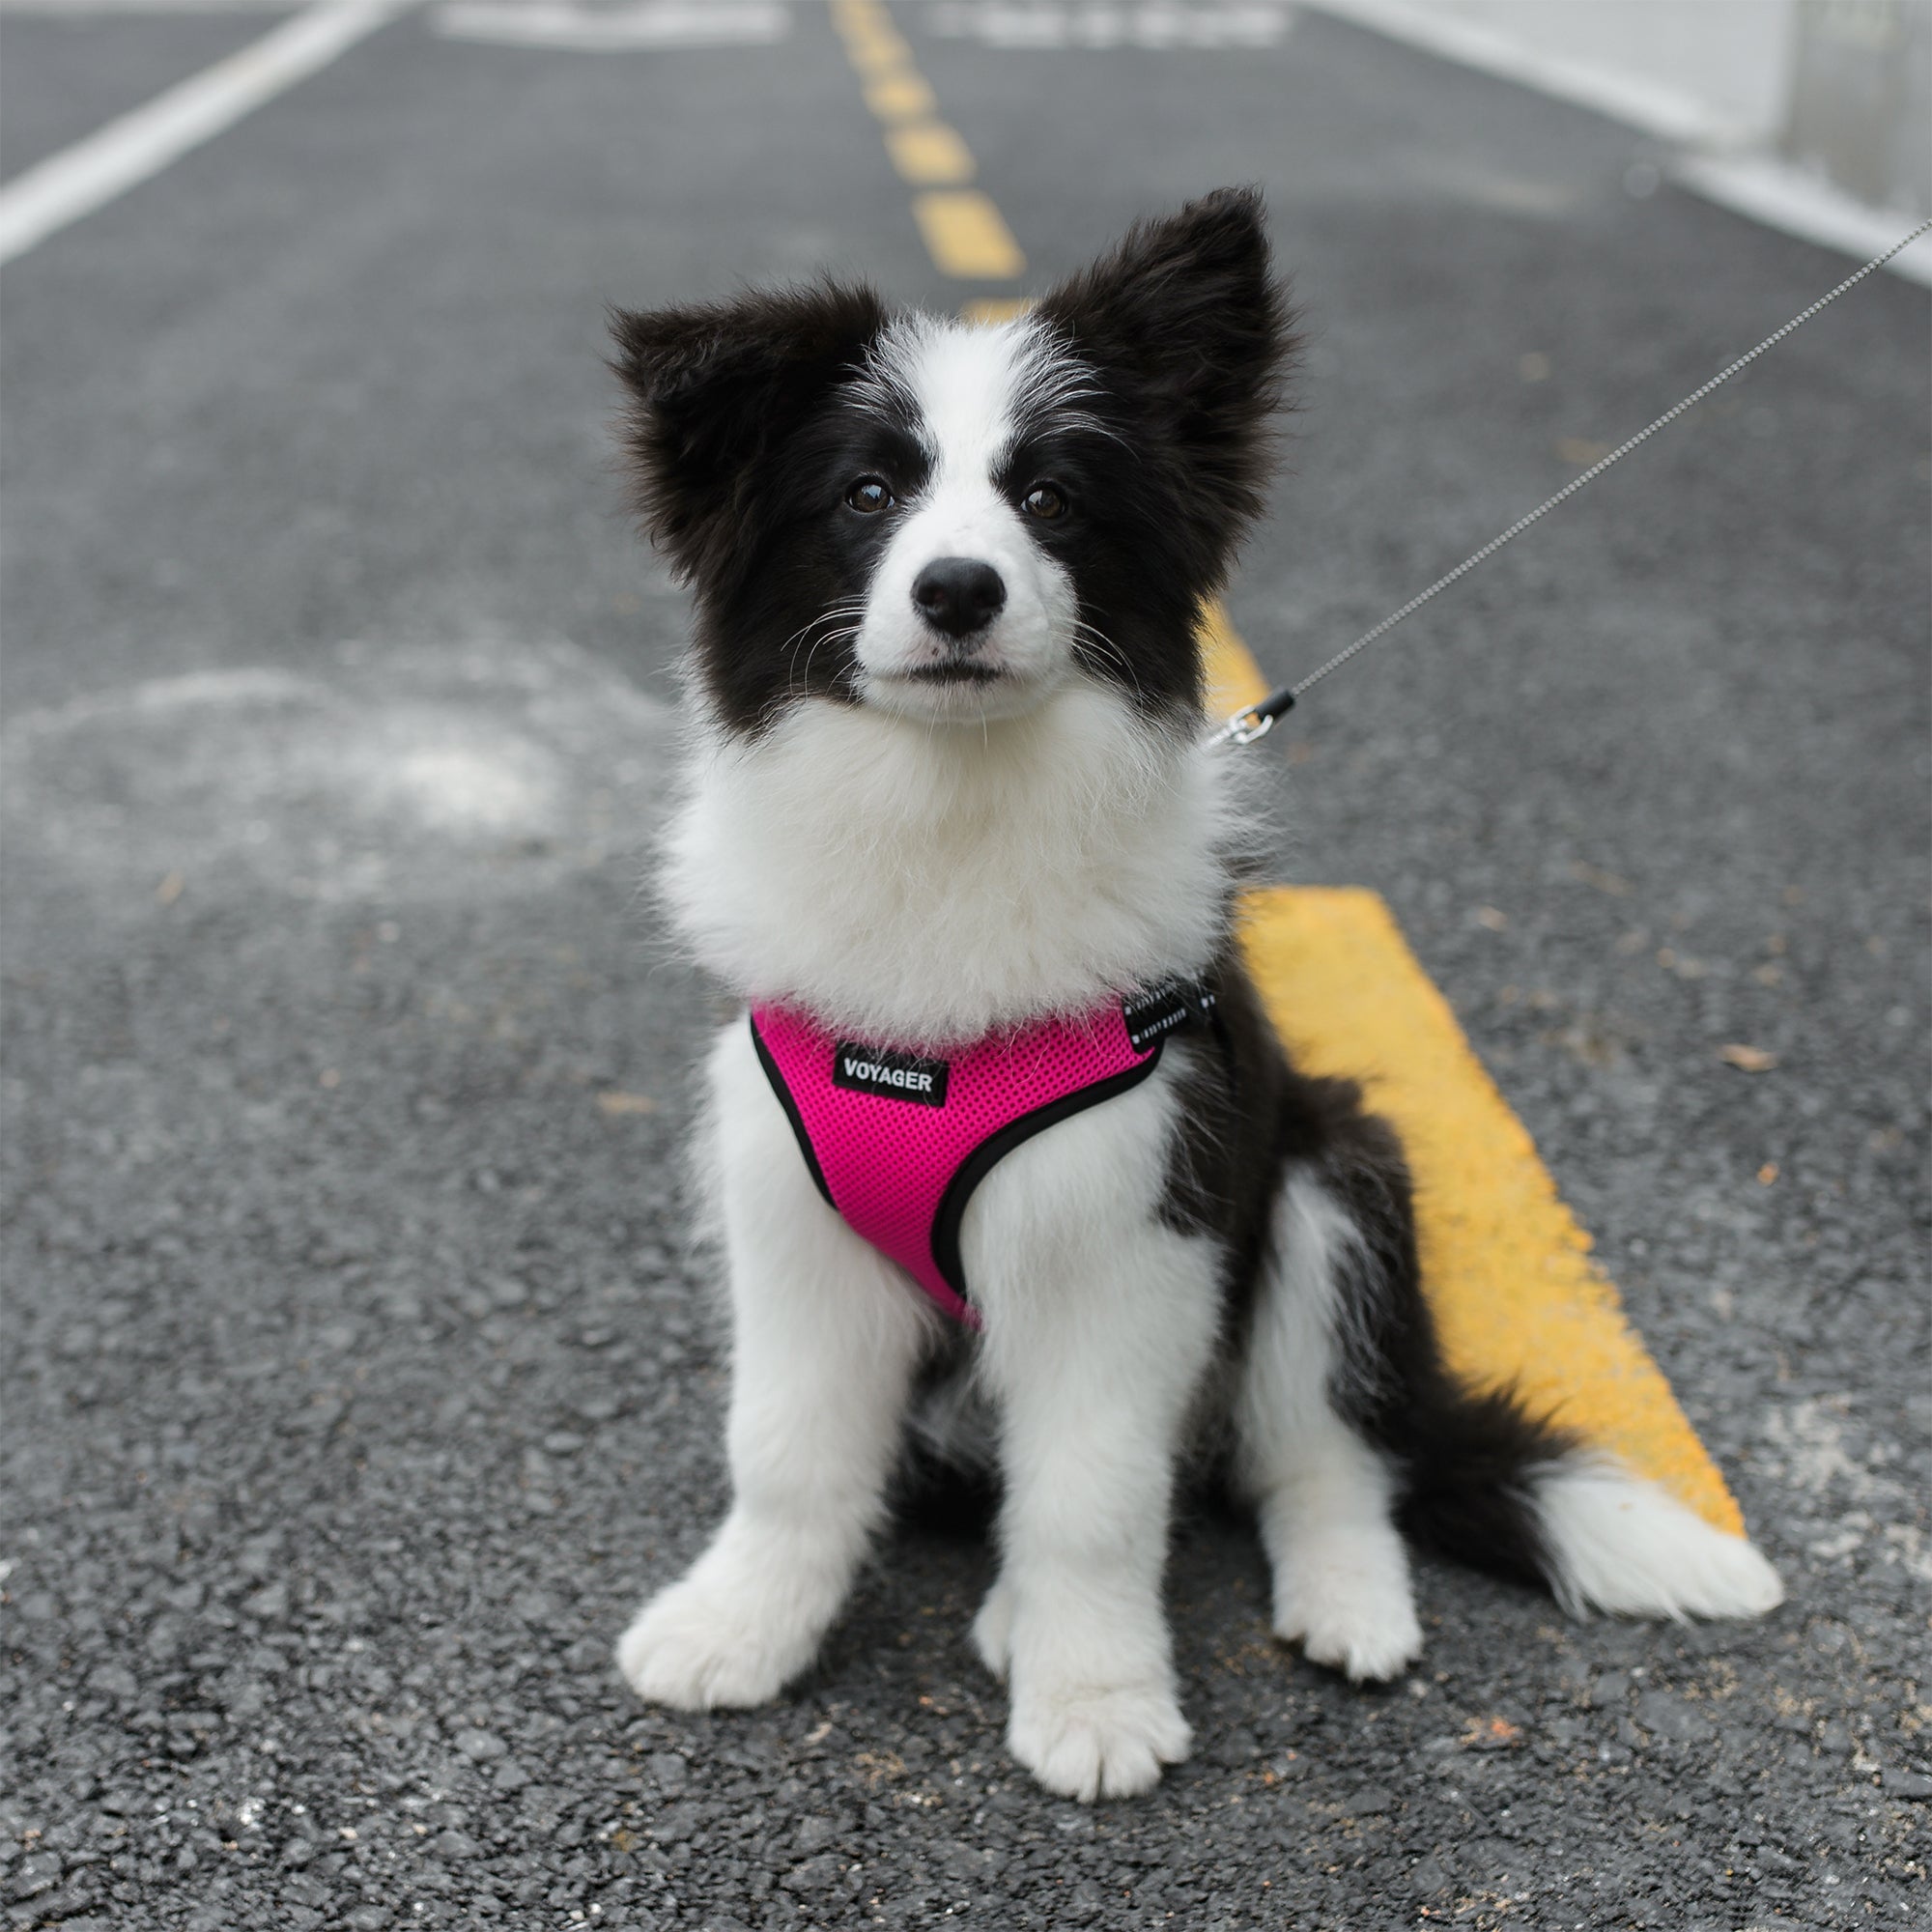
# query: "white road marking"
{"points": [[1159, 24], [582, 29], [64, 187], [87, 8]]}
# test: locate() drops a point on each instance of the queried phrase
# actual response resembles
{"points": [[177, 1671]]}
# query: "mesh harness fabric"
{"points": [[896, 1142]]}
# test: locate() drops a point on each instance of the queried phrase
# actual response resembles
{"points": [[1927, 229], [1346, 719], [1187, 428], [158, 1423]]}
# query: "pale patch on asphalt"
{"points": [[1870, 1507], [580, 28], [1480, 186], [438, 773]]}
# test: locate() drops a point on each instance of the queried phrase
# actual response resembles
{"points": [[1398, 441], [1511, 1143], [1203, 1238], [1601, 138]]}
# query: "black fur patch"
{"points": [[1463, 1457], [743, 439], [1189, 337]]}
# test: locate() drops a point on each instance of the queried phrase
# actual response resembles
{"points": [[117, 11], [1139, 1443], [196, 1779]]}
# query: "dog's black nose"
{"points": [[958, 594]]}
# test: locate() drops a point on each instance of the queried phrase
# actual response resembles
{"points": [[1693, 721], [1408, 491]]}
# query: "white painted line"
{"points": [[82, 10], [1797, 202], [580, 29], [127, 152]]}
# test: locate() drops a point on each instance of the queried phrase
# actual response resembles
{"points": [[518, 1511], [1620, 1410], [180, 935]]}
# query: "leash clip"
{"points": [[1254, 722]]}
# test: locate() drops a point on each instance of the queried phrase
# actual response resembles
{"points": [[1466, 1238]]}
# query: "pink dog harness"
{"points": [[896, 1143]]}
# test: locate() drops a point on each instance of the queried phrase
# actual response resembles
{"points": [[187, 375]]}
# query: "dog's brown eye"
{"points": [[869, 496], [1045, 501]]}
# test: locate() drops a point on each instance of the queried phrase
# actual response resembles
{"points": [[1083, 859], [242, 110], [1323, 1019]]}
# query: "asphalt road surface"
{"points": [[358, 1382]]}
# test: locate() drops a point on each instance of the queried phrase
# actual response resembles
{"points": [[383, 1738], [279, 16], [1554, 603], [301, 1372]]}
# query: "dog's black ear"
{"points": [[715, 391], [1189, 329]]}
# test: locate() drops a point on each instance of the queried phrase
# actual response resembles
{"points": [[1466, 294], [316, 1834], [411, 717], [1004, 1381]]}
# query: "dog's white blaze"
{"points": [[967, 390]]}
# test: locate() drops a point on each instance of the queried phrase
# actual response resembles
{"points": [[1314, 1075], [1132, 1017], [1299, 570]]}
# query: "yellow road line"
{"points": [[928, 153], [966, 236], [994, 308], [900, 97], [1234, 677], [964, 233], [869, 36], [1504, 1262]]}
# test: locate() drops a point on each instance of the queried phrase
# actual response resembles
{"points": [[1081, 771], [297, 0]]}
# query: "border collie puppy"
{"points": [[1007, 1162]]}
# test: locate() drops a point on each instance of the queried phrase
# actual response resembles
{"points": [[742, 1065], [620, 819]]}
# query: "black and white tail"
{"points": [[1352, 1431], [1486, 1483]]}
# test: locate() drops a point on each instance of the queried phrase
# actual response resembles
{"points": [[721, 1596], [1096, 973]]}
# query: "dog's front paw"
{"points": [[1356, 1618], [1090, 1742], [696, 1647]]}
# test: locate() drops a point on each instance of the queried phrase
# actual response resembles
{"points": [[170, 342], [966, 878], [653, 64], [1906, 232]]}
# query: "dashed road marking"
{"points": [[966, 234], [995, 308], [900, 97], [59, 190], [1158, 25], [929, 153]]}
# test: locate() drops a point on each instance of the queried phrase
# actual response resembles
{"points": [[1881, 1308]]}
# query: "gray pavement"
{"points": [[358, 1380]]}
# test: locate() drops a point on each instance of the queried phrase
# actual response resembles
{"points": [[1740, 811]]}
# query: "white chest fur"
{"points": [[924, 884]]}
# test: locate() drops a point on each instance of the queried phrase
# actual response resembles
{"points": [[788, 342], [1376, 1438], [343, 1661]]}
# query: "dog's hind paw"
{"points": [[1358, 1618], [993, 1630], [1089, 1743]]}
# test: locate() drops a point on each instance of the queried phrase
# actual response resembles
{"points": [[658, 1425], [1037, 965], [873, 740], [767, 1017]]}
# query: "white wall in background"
{"points": [[1816, 115], [1716, 71]]}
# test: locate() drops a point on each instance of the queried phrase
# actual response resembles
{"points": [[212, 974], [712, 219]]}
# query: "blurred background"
{"points": [[358, 1373]]}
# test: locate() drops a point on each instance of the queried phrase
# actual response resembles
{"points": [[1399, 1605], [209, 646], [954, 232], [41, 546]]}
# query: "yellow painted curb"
{"points": [[1504, 1262]]}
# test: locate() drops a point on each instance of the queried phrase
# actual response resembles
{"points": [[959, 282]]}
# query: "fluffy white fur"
{"points": [[1099, 1325], [980, 874], [1625, 1546], [1341, 1572], [980, 877], [825, 1342]]}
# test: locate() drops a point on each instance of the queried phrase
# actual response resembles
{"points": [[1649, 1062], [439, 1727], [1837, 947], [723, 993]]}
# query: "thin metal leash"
{"points": [[1257, 721]]}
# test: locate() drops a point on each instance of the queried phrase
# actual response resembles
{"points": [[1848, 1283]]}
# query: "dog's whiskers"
{"points": [[1092, 635], [796, 641]]}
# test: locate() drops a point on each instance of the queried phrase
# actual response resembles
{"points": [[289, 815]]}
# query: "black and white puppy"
{"points": [[947, 778]]}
